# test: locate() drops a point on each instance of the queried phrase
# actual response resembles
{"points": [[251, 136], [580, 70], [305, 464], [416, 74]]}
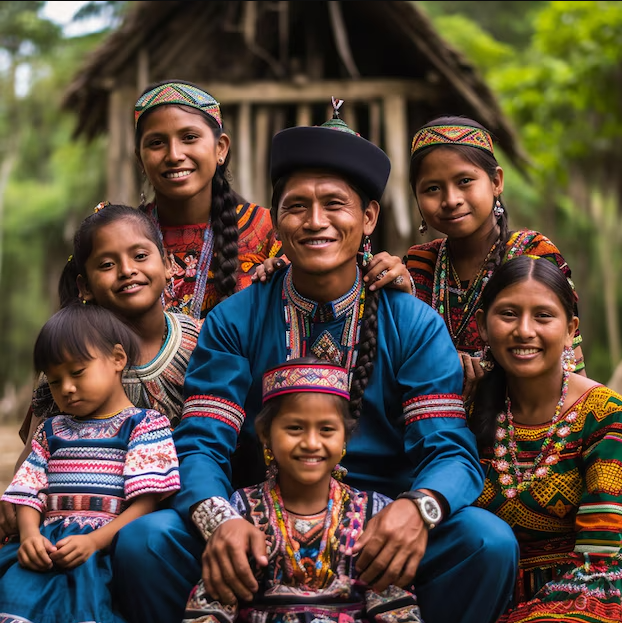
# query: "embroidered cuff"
{"points": [[210, 513]]}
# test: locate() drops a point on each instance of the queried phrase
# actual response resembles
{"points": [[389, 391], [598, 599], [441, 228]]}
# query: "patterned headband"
{"points": [[178, 93], [452, 135], [305, 377]]}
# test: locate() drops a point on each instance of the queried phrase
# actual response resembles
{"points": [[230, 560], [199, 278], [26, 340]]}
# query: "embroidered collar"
{"points": [[323, 312]]}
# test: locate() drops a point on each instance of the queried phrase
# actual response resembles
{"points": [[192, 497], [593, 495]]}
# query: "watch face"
{"points": [[431, 509]]}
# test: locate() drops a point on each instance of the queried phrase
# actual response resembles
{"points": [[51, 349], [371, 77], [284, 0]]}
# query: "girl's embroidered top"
{"points": [[568, 523], [309, 572], [452, 135], [90, 468], [190, 248], [178, 93], [311, 377], [436, 283]]}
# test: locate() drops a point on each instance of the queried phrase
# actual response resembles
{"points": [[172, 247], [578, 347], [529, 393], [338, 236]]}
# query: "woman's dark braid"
{"points": [[504, 235], [225, 227], [368, 346]]}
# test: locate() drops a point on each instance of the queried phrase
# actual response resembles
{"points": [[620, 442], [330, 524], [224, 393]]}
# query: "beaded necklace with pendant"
{"points": [[322, 572], [441, 290], [512, 478]]}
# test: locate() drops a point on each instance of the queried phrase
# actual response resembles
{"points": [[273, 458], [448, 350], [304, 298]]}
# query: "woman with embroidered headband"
{"points": [[405, 379], [310, 518], [457, 183], [183, 152], [551, 445]]}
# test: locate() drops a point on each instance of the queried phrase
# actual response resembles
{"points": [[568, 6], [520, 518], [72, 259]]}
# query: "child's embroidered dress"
{"points": [[80, 475]]}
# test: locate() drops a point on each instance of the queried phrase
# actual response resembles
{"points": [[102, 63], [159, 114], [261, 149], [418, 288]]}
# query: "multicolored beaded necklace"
{"points": [[300, 313], [317, 573], [192, 305], [441, 289], [512, 477]]}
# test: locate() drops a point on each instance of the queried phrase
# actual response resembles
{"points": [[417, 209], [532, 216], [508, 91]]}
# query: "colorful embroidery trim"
{"points": [[452, 135], [178, 93], [287, 378]]}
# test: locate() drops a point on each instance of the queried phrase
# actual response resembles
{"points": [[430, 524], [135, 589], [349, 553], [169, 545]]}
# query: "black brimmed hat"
{"points": [[334, 147]]}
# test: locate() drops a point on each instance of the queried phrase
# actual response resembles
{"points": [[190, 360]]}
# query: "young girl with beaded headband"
{"points": [[457, 183], [184, 153], [309, 517], [93, 468], [118, 263], [551, 444]]}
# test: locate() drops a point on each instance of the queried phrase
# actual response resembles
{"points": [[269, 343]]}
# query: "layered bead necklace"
{"points": [[512, 477], [318, 573], [441, 289]]}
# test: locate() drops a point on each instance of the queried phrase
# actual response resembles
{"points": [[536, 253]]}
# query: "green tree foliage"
{"points": [[51, 181]]}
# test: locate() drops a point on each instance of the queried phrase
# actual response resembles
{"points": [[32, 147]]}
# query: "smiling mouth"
{"points": [[456, 217], [176, 174], [310, 459], [316, 242], [130, 287], [524, 351]]}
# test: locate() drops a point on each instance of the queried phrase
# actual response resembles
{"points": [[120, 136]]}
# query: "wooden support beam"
{"points": [[270, 92], [243, 143], [121, 165], [396, 141], [260, 159]]}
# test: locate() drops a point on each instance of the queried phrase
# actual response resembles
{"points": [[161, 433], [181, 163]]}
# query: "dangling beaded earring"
{"points": [[498, 209], [423, 227], [271, 465], [569, 363], [339, 471], [487, 362], [367, 254], [170, 288]]}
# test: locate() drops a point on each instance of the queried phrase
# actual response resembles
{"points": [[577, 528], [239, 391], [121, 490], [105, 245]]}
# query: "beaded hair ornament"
{"points": [[178, 93], [305, 377], [452, 135]]}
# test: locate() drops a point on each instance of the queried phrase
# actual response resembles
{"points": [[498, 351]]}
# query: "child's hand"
{"points": [[74, 550], [34, 553], [264, 271]]}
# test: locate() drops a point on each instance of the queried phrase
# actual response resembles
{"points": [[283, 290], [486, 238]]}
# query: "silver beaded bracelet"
{"points": [[211, 513]]}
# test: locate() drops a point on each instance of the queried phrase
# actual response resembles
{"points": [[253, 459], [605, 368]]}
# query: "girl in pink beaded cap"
{"points": [[309, 517]]}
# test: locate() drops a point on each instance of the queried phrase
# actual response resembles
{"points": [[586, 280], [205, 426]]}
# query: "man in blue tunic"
{"points": [[412, 442]]}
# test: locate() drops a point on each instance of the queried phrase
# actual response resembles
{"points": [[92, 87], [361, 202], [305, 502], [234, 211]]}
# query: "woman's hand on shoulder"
{"points": [[263, 272], [473, 372], [226, 570], [387, 270]]}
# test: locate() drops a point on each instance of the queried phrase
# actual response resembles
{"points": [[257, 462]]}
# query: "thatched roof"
{"points": [[236, 42]]}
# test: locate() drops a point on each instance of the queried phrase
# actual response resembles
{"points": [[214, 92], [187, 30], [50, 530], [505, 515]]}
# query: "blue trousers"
{"points": [[466, 576]]}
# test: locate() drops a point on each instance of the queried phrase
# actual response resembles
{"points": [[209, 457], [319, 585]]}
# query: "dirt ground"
{"points": [[10, 447]]}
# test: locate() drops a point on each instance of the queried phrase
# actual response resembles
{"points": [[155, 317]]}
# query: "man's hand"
{"points": [[227, 572], [391, 546]]}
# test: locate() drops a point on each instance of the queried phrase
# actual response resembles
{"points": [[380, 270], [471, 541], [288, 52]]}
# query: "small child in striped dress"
{"points": [[96, 466]]}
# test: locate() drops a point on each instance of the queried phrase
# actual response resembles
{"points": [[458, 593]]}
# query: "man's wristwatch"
{"points": [[430, 509]]}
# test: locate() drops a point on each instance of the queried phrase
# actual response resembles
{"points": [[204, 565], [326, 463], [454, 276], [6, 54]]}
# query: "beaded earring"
{"points": [[423, 227], [569, 363], [271, 465], [487, 362], [498, 209], [367, 254]]}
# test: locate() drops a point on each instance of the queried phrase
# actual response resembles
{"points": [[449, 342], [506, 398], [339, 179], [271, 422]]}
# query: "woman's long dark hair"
{"points": [[491, 390], [83, 245], [225, 200], [478, 157], [368, 341]]}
